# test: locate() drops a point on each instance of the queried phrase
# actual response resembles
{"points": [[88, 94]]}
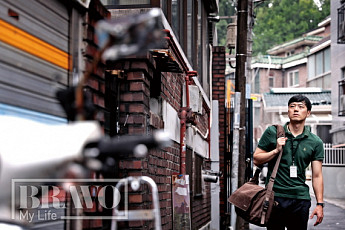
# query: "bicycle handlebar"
{"points": [[127, 146]]}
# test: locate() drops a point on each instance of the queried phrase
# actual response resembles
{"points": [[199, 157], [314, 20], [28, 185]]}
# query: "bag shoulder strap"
{"points": [[280, 133], [269, 188]]}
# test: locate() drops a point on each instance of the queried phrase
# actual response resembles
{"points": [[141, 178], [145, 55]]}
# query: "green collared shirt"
{"points": [[306, 147]]}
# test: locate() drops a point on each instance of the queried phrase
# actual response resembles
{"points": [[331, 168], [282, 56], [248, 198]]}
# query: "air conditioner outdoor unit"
{"points": [[195, 99]]}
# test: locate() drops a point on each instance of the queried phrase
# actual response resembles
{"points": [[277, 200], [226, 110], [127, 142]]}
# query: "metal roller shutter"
{"points": [[34, 51]]}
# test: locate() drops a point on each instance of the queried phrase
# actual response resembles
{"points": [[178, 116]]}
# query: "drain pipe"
{"points": [[186, 116]]}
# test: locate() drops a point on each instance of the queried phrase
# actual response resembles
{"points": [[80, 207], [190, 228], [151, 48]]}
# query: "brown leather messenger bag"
{"points": [[252, 202]]}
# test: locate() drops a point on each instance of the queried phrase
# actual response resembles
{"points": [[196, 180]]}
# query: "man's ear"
{"points": [[308, 113]]}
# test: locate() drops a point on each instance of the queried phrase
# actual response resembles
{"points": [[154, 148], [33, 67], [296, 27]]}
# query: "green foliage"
{"points": [[278, 21], [226, 8]]}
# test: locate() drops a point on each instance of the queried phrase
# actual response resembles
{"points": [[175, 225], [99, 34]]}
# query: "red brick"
{"points": [[139, 65], [135, 198], [135, 76]]}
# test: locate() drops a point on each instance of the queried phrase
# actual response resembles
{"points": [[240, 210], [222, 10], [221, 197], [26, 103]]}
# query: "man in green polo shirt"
{"points": [[300, 148]]}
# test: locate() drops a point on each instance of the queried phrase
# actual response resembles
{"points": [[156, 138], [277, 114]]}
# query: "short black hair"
{"points": [[300, 98]]}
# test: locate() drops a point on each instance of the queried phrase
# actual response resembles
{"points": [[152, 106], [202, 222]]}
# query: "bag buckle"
{"points": [[265, 205]]}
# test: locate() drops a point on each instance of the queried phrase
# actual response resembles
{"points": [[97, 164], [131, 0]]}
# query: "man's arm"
{"points": [[262, 156], [317, 180]]}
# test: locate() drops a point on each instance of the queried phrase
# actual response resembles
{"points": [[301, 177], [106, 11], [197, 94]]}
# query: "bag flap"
{"points": [[242, 197]]}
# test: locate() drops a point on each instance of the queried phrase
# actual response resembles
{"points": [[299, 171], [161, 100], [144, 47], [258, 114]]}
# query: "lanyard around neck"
{"points": [[293, 151]]}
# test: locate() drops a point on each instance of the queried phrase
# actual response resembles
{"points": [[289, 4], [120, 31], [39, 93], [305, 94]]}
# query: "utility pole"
{"points": [[240, 86]]}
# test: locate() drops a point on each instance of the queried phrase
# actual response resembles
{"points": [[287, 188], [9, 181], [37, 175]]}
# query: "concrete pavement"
{"points": [[334, 215]]}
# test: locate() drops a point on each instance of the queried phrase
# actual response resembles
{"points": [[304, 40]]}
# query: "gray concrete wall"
{"points": [[215, 189], [334, 182], [337, 63]]}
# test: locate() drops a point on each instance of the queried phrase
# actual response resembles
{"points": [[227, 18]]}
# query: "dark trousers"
{"points": [[290, 213]]}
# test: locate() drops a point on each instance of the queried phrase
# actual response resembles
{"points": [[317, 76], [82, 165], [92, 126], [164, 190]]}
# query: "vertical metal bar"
{"points": [[240, 86], [235, 153]]}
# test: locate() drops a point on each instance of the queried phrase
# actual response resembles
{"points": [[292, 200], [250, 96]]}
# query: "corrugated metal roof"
{"points": [[307, 39], [295, 57], [275, 60], [281, 99]]}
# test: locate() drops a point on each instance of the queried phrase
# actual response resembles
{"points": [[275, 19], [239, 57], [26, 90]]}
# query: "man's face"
{"points": [[298, 111]]}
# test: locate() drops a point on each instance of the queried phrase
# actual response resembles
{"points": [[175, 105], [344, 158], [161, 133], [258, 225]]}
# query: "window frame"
{"points": [[293, 84], [271, 82], [341, 94], [194, 167], [315, 78], [257, 82], [150, 4]]}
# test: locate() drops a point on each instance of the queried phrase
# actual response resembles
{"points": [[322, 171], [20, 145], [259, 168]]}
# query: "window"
{"points": [[319, 63], [341, 24], [311, 67], [341, 84], [175, 17], [323, 133], [165, 8], [121, 3], [293, 79], [271, 82], [257, 82], [319, 69], [199, 41], [198, 175], [327, 58], [190, 31], [289, 53], [194, 164]]}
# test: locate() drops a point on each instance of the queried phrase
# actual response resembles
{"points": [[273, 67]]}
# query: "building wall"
{"points": [[138, 116], [218, 92], [337, 62], [296, 50], [145, 93], [265, 75], [303, 74], [95, 86], [334, 186]]}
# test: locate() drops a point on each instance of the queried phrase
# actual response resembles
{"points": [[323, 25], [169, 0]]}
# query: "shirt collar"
{"points": [[305, 133]]}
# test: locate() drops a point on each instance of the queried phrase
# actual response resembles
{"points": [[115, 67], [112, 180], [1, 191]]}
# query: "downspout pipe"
{"points": [[183, 127], [186, 116]]}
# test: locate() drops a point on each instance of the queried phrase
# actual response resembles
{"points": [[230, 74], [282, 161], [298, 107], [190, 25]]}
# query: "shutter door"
{"points": [[34, 52]]}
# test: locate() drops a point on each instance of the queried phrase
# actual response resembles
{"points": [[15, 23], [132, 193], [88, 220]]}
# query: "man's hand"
{"points": [[281, 141], [318, 211]]}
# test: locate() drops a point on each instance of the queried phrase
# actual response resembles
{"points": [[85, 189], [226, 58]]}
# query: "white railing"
{"points": [[333, 156]]}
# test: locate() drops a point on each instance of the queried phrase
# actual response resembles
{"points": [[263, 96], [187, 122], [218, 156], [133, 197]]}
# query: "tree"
{"points": [[278, 21], [226, 8]]}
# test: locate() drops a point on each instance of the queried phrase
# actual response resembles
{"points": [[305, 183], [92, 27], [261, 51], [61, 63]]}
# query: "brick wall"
{"points": [[140, 81], [201, 206], [218, 93], [96, 83], [136, 118]]}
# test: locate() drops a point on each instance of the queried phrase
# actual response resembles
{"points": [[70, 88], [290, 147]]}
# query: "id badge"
{"points": [[293, 171]]}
